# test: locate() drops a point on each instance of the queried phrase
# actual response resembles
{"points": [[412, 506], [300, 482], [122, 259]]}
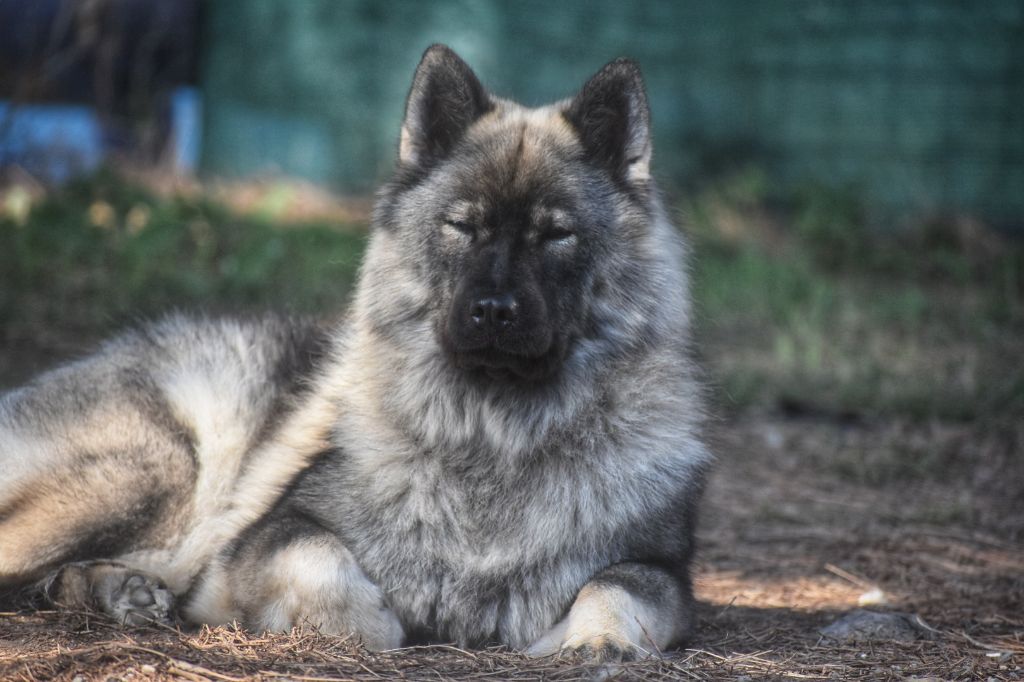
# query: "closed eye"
{"points": [[461, 226], [557, 235]]}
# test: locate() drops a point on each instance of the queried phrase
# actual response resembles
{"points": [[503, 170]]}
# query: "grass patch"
{"points": [[101, 253], [807, 304]]}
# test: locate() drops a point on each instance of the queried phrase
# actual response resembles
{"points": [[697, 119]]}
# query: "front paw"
{"points": [[130, 597], [138, 599], [602, 640], [606, 624], [605, 648]]}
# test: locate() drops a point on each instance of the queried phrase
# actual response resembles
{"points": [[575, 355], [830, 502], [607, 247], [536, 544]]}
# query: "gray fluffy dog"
{"points": [[501, 443]]}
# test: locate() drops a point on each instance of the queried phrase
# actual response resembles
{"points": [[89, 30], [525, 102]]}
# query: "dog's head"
{"points": [[503, 211]]}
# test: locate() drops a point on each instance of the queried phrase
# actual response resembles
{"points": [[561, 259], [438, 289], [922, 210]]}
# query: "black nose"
{"points": [[495, 312]]}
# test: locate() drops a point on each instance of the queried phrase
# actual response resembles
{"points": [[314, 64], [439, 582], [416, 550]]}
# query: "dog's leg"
{"points": [[287, 571], [129, 596], [625, 612]]}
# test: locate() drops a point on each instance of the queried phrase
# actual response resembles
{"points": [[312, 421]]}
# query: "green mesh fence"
{"points": [[920, 104]]}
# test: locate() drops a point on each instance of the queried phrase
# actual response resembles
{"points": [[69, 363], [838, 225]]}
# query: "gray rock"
{"points": [[871, 626]]}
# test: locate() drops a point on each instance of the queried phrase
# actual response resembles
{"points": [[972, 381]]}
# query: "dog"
{"points": [[500, 443]]}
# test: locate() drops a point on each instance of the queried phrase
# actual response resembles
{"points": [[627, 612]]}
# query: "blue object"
{"points": [[56, 142], [186, 109], [52, 141]]}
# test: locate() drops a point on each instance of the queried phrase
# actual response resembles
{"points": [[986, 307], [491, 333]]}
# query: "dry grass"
{"points": [[737, 645]]}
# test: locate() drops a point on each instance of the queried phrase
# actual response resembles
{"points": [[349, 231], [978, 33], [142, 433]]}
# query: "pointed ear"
{"points": [[445, 99], [613, 120]]}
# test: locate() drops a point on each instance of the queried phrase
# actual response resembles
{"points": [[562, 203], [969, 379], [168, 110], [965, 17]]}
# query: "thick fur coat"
{"points": [[500, 443]]}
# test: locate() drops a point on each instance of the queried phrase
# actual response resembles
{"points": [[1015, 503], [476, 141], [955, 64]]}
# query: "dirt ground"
{"points": [[792, 539]]}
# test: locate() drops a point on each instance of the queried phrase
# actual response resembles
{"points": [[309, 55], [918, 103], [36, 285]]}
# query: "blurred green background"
{"points": [[917, 104]]}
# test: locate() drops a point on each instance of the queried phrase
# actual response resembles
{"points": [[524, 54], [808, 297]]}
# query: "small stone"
{"points": [[870, 626], [147, 669], [773, 437], [873, 597]]}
